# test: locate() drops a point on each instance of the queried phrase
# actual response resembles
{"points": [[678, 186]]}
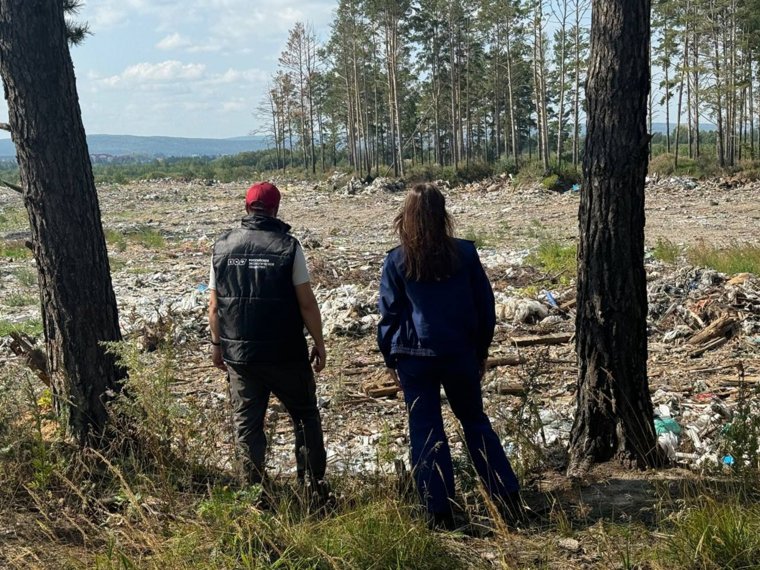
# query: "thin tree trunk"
{"points": [[680, 100]]}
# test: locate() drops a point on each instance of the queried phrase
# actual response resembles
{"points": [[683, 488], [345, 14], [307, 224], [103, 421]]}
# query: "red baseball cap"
{"points": [[263, 195]]}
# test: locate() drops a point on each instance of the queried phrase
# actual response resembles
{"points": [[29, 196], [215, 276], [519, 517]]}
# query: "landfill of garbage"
{"points": [[704, 326]]}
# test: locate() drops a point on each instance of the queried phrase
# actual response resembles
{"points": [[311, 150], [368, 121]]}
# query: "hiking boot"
{"points": [[321, 499], [459, 523]]}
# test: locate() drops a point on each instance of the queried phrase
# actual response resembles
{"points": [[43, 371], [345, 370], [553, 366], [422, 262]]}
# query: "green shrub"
{"points": [[424, 173], [530, 172], [554, 257], [551, 182], [506, 165], [663, 164], [474, 172]]}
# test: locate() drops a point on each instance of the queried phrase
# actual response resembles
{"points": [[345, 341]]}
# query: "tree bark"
{"points": [[614, 418], [78, 302]]}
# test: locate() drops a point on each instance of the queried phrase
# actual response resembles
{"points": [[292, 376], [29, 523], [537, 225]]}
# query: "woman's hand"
{"points": [[393, 375]]}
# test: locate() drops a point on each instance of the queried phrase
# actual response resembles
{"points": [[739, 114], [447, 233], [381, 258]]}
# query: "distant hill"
{"points": [[662, 127], [154, 147], [105, 146]]}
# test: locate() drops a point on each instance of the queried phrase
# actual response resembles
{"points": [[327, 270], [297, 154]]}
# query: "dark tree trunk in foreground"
{"points": [[78, 302], [614, 418]]}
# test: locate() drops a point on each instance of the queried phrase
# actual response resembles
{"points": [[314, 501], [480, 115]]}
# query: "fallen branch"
{"points": [[34, 357], [382, 391], [511, 360], [711, 345], [543, 340], [713, 369], [511, 389], [11, 186], [722, 327]]}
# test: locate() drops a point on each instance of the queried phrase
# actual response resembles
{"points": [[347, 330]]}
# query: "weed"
{"points": [[717, 534], [116, 239], [116, 264], [27, 277], [555, 258], [536, 229], [14, 250], [666, 251], [736, 258], [480, 240], [741, 436], [30, 327], [13, 219], [21, 300], [147, 237]]}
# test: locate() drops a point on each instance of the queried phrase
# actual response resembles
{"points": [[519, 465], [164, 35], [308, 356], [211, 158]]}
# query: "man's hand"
{"points": [[318, 357], [216, 357]]}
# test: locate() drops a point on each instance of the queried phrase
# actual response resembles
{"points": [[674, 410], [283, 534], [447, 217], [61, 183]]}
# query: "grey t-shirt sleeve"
{"points": [[300, 270], [212, 276]]}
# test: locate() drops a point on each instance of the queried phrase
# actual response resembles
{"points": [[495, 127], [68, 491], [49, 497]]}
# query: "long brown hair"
{"points": [[426, 233]]}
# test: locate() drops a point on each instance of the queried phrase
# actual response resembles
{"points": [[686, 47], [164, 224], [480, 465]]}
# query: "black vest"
{"points": [[259, 316]]}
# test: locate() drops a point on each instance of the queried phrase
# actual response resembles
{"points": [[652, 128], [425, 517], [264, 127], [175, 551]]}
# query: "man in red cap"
{"points": [[260, 300]]}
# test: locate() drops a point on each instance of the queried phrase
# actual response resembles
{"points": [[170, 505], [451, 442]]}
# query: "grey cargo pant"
{"points": [[293, 384]]}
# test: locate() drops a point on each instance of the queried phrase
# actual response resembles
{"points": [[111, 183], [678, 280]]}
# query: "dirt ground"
{"points": [[345, 239]]}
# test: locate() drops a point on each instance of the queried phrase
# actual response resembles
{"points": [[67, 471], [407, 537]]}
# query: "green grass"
{"points": [[13, 219], [717, 534], [478, 238], [14, 250], [666, 251], [228, 532], [116, 264], [21, 300], [27, 277], [149, 238], [116, 239], [31, 327], [736, 258]]}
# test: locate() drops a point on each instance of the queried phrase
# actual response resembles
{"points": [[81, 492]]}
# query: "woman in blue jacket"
{"points": [[437, 323]]}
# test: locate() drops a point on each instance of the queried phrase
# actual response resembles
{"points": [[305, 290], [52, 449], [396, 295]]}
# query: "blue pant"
{"points": [[422, 378]]}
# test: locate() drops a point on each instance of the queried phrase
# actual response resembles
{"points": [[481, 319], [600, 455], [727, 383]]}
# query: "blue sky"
{"points": [[191, 68]]}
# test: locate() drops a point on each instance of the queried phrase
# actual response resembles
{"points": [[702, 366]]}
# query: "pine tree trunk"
{"points": [[78, 302], [614, 416]]}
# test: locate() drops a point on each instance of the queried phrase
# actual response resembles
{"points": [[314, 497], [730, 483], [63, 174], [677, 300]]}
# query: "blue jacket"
{"points": [[435, 318]]}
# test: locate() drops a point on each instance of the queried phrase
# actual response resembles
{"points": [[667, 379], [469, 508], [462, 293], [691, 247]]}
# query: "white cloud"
{"points": [[223, 54], [163, 72], [228, 24], [173, 41]]}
